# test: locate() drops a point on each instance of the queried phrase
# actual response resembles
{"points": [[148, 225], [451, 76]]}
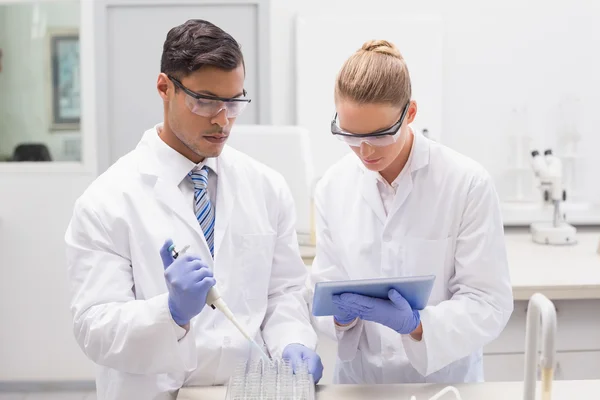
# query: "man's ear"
{"points": [[164, 86]]}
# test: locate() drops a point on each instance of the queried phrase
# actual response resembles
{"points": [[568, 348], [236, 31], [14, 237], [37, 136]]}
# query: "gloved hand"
{"points": [[297, 353], [343, 317], [394, 313], [188, 280]]}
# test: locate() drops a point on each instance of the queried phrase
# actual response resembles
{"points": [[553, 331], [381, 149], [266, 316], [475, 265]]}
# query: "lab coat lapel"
{"points": [[226, 195], [405, 186], [166, 192], [368, 188], [171, 197]]}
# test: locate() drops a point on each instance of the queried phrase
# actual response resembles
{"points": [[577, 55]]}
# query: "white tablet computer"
{"points": [[415, 289]]}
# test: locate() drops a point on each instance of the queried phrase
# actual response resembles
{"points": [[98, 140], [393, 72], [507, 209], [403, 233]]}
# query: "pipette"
{"points": [[214, 300]]}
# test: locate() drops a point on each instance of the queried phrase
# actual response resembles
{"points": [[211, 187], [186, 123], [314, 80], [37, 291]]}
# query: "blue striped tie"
{"points": [[205, 212]]}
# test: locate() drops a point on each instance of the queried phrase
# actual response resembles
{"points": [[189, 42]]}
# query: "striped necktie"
{"points": [[205, 212]]}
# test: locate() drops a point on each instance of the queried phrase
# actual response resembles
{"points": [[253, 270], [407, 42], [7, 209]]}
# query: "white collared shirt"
{"points": [[179, 166], [187, 186], [387, 192]]}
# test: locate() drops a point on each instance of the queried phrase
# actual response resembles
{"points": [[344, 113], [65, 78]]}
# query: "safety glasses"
{"points": [[380, 138], [209, 106]]}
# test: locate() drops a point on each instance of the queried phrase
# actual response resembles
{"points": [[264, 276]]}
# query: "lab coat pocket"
{"points": [[431, 257], [427, 256], [257, 259]]}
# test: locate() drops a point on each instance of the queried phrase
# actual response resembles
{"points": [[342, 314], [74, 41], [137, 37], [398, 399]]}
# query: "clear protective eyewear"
{"points": [[209, 106], [380, 138]]}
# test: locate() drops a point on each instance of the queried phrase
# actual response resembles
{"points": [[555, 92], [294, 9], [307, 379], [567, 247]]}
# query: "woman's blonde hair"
{"points": [[376, 73]]}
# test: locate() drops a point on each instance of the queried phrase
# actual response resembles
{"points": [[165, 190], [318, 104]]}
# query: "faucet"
{"points": [[540, 312]]}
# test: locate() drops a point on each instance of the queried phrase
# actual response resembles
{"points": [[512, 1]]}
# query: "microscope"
{"points": [[548, 169]]}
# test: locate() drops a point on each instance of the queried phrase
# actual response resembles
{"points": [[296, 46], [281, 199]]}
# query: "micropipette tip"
{"points": [[264, 355]]}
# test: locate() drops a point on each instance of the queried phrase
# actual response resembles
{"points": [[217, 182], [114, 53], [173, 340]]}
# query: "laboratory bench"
{"points": [[567, 275], [561, 390], [570, 277]]}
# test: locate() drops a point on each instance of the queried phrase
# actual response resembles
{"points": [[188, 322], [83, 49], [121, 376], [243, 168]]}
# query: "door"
{"points": [[130, 35]]}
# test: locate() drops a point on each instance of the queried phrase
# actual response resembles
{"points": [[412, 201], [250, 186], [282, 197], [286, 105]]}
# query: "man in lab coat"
{"points": [[138, 313]]}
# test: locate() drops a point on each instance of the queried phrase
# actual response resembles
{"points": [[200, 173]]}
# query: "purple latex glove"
{"points": [[188, 281], [344, 317], [394, 313], [298, 353]]}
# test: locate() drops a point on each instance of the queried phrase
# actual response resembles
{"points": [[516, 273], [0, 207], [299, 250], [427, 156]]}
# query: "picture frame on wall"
{"points": [[65, 80]]}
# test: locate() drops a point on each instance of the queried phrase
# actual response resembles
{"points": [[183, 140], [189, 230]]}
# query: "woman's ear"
{"points": [[412, 112]]}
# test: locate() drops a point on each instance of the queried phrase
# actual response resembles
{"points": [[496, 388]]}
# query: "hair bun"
{"points": [[382, 47]]}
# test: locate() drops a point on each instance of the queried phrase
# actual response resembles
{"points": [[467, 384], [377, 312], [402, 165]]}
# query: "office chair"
{"points": [[31, 152]]}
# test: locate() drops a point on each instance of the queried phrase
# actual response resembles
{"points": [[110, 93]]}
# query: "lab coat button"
{"points": [[387, 238]]}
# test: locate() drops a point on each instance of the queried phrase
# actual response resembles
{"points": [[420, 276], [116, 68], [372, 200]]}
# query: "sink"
{"points": [[541, 318]]}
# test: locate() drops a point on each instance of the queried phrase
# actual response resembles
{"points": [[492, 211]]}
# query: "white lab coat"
{"points": [[445, 221], [119, 296]]}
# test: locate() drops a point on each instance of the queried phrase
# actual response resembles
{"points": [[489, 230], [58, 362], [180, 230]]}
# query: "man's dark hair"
{"points": [[197, 43]]}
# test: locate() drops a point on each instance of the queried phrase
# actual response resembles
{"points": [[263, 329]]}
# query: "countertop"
{"points": [[561, 390], [559, 272]]}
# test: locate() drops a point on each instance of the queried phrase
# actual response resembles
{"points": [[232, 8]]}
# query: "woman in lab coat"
{"points": [[139, 314], [403, 205]]}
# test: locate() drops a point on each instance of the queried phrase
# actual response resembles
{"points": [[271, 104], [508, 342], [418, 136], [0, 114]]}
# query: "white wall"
{"points": [[24, 81], [498, 56], [36, 340]]}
